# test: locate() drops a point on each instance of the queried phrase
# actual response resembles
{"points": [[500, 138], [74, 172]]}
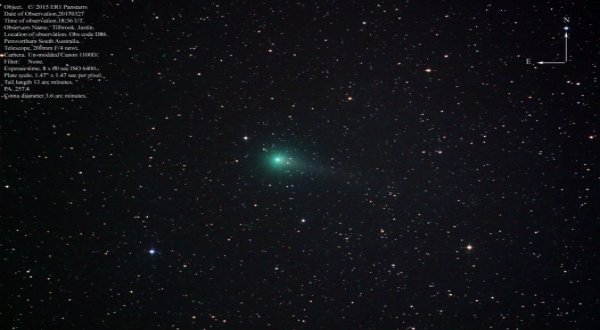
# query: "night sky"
{"points": [[312, 165]]}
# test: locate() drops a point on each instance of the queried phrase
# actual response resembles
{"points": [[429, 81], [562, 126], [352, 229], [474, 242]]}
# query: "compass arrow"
{"points": [[566, 53], [566, 38]]}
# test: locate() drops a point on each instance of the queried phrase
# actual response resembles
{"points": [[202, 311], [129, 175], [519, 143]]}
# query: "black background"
{"points": [[420, 132]]}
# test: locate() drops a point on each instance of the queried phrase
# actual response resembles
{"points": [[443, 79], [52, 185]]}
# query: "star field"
{"points": [[312, 165]]}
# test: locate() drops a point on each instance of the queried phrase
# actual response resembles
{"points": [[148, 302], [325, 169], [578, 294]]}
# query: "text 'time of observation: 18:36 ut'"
{"points": [[44, 53]]}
